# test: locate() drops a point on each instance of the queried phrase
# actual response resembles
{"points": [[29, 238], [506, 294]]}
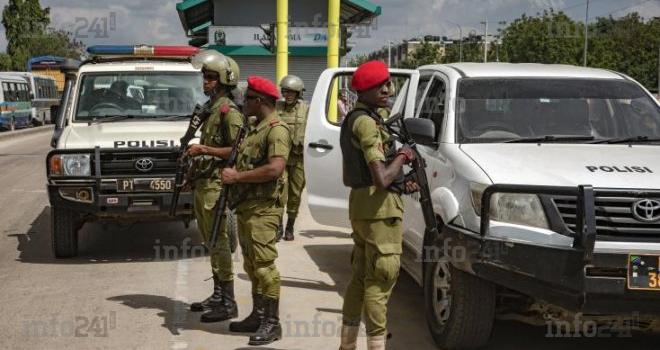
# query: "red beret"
{"points": [[369, 75], [263, 86]]}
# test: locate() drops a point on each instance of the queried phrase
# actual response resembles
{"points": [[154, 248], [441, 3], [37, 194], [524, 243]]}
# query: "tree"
{"points": [[472, 50], [627, 44], [28, 35], [23, 20], [426, 53], [548, 38], [56, 43], [5, 62]]}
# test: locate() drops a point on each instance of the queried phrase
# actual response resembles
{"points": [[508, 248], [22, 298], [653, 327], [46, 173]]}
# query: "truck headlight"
{"points": [[514, 208], [71, 165]]}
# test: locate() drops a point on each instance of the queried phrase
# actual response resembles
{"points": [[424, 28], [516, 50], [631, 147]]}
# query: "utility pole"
{"points": [[389, 53], [460, 43], [485, 41], [586, 33]]}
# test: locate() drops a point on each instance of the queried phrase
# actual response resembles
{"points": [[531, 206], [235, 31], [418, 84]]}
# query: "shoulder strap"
{"points": [[352, 116], [224, 110]]}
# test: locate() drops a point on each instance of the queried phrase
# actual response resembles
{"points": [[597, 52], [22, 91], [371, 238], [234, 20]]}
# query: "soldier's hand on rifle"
{"points": [[229, 176], [412, 187], [407, 152], [194, 150], [411, 182]]}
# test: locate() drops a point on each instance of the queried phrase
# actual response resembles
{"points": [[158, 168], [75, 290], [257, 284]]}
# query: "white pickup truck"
{"points": [[545, 182]]}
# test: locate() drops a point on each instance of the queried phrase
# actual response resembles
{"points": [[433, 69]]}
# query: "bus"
{"points": [[48, 65], [15, 105], [43, 93]]}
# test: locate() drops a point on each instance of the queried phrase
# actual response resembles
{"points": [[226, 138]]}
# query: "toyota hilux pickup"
{"points": [[116, 138], [545, 185]]}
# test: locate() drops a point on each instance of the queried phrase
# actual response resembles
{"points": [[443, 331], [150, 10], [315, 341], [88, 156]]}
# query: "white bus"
{"points": [[43, 93], [15, 105]]}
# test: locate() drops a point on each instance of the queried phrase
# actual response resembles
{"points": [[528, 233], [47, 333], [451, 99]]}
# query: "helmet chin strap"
{"points": [[217, 90]]}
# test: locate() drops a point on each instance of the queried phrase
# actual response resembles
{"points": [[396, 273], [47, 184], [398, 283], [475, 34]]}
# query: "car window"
{"points": [[498, 109], [433, 105], [421, 89], [342, 98], [148, 95]]}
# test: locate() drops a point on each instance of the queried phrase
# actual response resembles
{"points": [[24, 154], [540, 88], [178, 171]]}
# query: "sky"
{"points": [[157, 22]]}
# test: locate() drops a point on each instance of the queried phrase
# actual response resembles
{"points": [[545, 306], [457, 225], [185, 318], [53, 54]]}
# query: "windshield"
{"points": [[148, 95], [497, 110]]}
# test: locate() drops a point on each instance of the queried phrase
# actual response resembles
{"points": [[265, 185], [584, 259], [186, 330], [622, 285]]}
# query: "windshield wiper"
{"points": [[109, 118], [175, 117], [638, 138], [551, 138]]}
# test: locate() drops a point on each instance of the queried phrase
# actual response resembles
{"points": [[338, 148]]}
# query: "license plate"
{"points": [[644, 272], [145, 185]]}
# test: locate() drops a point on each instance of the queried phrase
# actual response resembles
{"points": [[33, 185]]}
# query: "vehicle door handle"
{"points": [[320, 145]]}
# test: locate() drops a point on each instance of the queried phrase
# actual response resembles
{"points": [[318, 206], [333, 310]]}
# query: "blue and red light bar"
{"points": [[142, 50]]}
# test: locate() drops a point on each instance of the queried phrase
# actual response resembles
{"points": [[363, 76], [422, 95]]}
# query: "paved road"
{"points": [[130, 287]]}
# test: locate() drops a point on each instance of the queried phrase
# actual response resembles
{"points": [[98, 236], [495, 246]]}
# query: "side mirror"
{"points": [[421, 130]]}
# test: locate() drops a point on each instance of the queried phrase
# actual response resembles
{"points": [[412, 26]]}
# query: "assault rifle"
{"points": [[198, 117], [221, 204], [425, 130]]}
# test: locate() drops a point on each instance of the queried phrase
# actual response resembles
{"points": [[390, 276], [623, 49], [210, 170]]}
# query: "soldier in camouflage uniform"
{"points": [[260, 179], [372, 167], [293, 110], [218, 134]]}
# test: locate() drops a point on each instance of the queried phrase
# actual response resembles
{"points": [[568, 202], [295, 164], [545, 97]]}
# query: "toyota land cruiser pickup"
{"points": [[122, 115]]}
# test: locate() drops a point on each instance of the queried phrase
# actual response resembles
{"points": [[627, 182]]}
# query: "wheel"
{"points": [[232, 230], [64, 232], [460, 307]]}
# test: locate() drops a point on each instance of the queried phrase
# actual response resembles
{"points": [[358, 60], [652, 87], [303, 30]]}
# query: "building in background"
{"points": [[229, 27], [402, 51]]}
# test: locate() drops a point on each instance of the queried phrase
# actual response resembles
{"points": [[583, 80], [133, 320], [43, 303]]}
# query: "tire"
{"points": [[64, 233], [232, 230], [465, 319]]}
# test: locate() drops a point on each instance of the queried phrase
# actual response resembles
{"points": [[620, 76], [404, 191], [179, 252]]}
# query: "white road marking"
{"points": [[180, 312]]}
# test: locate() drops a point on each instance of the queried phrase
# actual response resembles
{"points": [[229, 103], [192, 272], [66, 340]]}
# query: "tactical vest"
{"points": [[204, 163], [356, 170], [254, 153], [296, 119]]}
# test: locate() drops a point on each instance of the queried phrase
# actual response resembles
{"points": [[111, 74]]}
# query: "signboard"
{"points": [[251, 36]]}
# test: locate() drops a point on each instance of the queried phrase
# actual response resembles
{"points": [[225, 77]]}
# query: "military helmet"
{"points": [[214, 61], [292, 82]]}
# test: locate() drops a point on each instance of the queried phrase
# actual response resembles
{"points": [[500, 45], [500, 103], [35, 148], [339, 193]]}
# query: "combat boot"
{"points": [[226, 309], [288, 233], [349, 336], [253, 321], [213, 300], [278, 233], [270, 329], [376, 342]]}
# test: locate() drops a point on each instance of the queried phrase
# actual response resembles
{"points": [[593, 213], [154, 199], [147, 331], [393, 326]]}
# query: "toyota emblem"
{"points": [[646, 210], [144, 165]]}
